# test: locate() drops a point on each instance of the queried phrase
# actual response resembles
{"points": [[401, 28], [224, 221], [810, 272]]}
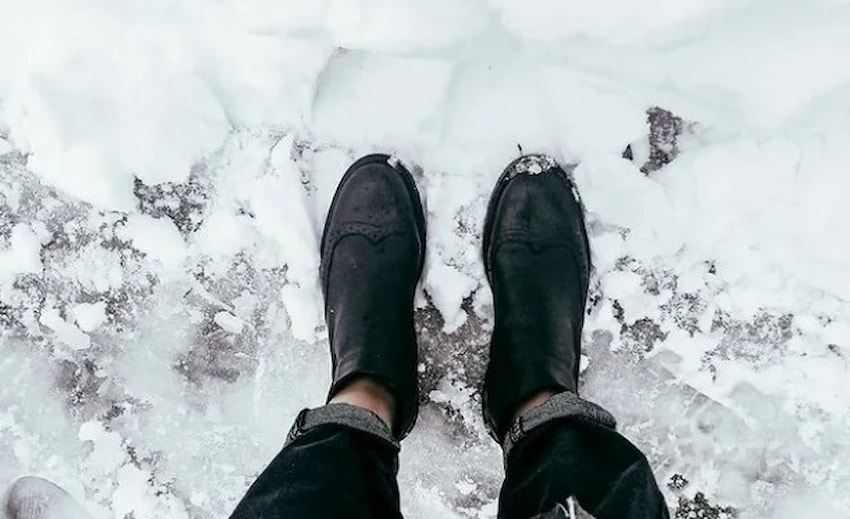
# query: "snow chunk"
{"points": [[23, 254], [229, 322], [617, 192], [466, 487], [222, 234], [133, 495], [95, 268], [105, 99], [107, 452], [159, 238], [281, 214], [448, 287], [66, 332], [89, 316], [285, 221], [621, 284], [584, 363], [302, 305]]}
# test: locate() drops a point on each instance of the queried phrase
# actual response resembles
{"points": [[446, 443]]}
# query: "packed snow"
{"points": [[165, 170]]}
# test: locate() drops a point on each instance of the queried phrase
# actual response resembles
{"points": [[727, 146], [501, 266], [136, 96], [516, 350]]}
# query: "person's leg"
{"points": [[567, 453], [338, 461], [562, 453], [341, 460]]}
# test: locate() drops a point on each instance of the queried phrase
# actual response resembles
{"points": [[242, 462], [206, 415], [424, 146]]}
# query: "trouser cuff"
{"points": [[341, 415], [563, 405]]}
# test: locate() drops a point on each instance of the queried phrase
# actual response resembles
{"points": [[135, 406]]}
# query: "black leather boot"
{"points": [[373, 250], [537, 261]]}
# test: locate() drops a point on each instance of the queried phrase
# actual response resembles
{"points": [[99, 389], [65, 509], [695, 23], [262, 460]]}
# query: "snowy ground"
{"points": [[165, 169]]}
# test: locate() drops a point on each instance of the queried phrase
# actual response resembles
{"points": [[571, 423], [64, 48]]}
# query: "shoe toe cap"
{"points": [[375, 194], [538, 202]]}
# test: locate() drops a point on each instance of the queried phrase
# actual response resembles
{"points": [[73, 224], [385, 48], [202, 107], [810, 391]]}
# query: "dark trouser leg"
{"points": [[338, 461], [567, 452]]}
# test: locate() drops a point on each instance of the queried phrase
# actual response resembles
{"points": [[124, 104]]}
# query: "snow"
{"points": [[89, 316], [65, 332], [229, 322], [379, 98], [165, 172], [22, 253], [157, 238]]}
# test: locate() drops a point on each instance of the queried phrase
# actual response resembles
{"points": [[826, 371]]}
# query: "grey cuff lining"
{"points": [[562, 405], [343, 415]]}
